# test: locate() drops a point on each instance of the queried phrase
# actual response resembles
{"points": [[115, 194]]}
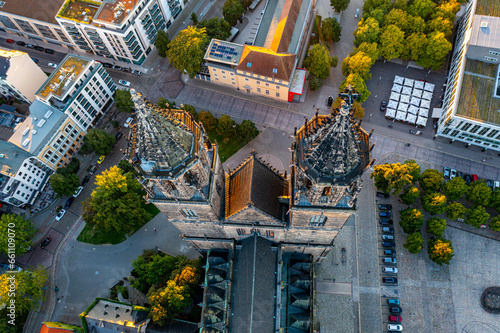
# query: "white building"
{"points": [[20, 77], [471, 105]]}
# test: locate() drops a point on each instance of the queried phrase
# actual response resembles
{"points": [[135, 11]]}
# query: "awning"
{"points": [[396, 87], [409, 82], [421, 121], [413, 109], [411, 118], [423, 112], [436, 112], [417, 93], [404, 99], [406, 91], [425, 104], [402, 107], [419, 85], [391, 113], [394, 96], [399, 79], [392, 104], [427, 95], [298, 81], [429, 87], [401, 115], [415, 101]]}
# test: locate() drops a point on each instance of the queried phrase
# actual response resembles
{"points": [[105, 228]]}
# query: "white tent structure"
{"points": [[419, 85], [399, 79], [402, 107], [391, 113], [417, 93], [429, 87], [394, 96], [396, 88], [415, 101], [409, 82], [392, 104], [411, 118], [427, 95], [423, 112], [425, 104], [404, 99], [406, 91], [400, 115], [421, 121], [412, 109]]}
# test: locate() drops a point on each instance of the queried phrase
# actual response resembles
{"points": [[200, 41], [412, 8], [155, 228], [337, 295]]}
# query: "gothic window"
{"points": [[269, 234], [326, 191]]}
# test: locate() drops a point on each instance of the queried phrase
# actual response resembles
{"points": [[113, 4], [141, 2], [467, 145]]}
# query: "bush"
{"points": [[436, 226], [315, 83]]}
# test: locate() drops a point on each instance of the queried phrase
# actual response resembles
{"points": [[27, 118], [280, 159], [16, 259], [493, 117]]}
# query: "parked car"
{"points": [[387, 237], [85, 180], [101, 158], [107, 65], [391, 280], [394, 328], [396, 319], [453, 173], [35, 60], [60, 215], [93, 169], [11, 41], [126, 69], [389, 260], [51, 64], [489, 183], [385, 221], [467, 179], [388, 244], [118, 136], [388, 252], [474, 178], [49, 51], [69, 202], [46, 242], [395, 309], [385, 207], [496, 184], [124, 83], [128, 122], [11, 269], [388, 230], [446, 173], [382, 194], [118, 68], [78, 191], [30, 46], [136, 72], [393, 301], [460, 174], [39, 48], [392, 270], [385, 214], [21, 43], [383, 106]]}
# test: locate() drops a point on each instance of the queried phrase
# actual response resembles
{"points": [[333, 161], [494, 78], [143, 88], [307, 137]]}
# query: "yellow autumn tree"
{"points": [[167, 301], [434, 203], [186, 277], [28, 289], [110, 181], [440, 251], [393, 177]]}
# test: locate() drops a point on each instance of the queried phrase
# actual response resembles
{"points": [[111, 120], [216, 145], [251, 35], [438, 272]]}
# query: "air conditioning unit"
{"points": [[484, 25]]}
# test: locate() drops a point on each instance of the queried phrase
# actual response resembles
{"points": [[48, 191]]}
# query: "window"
{"points": [[246, 79], [267, 84], [249, 64], [318, 220], [267, 92], [269, 234], [277, 94], [490, 59], [233, 82], [232, 74], [258, 82], [224, 77], [241, 232], [232, 79], [494, 53], [215, 75], [275, 70], [278, 87], [223, 72], [189, 213], [475, 128], [258, 90]]}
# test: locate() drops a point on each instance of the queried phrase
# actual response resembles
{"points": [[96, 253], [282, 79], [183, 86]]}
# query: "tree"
{"points": [[414, 46], [232, 11], [186, 51], [414, 242], [16, 234], [370, 49], [194, 18], [442, 24], [436, 226], [477, 217], [64, 185], [359, 111], [123, 101], [411, 220], [455, 210], [436, 50], [246, 129], [217, 28], [152, 269], [161, 42], [164, 103], [398, 18], [409, 195], [72, 167], [391, 42], [359, 63], [422, 8], [495, 199], [315, 83], [434, 202], [430, 180], [455, 188], [331, 29], [225, 126], [100, 141], [335, 62], [368, 31], [448, 9], [339, 5], [440, 251], [125, 166], [479, 193], [208, 120], [318, 61], [358, 84], [495, 223], [416, 24], [390, 177], [116, 203], [413, 169], [29, 289]]}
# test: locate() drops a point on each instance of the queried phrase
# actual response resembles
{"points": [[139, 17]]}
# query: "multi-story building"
{"points": [[79, 87], [471, 105], [123, 30], [20, 77], [268, 67]]}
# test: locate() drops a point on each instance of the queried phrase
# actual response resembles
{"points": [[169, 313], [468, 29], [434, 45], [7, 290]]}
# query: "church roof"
{"points": [[254, 183], [266, 62]]}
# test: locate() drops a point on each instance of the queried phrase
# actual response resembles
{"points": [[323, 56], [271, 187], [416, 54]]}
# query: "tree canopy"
{"points": [[186, 51], [318, 61], [434, 202], [455, 188], [436, 226], [391, 42], [393, 177], [495, 223], [435, 52], [339, 5], [123, 101], [477, 217], [410, 194], [370, 49], [29, 292], [217, 28], [440, 251], [331, 29], [455, 210], [411, 220], [414, 242], [64, 185], [430, 180], [479, 193], [208, 120], [18, 229], [358, 84], [359, 63], [246, 129], [161, 43], [232, 11], [100, 141], [225, 126]]}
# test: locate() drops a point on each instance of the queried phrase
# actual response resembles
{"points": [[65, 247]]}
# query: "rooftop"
{"points": [[485, 31], [225, 52], [44, 11], [115, 11], [5, 56], [11, 158], [109, 312], [63, 77], [31, 135], [79, 10], [488, 7], [266, 62]]}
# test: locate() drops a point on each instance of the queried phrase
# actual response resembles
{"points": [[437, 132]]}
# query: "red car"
{"points": [[474, 178], [396, 319], [11, 41]]}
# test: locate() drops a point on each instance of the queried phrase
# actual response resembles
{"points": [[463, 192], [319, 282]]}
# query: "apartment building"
{"points": [[471, 105], [268, 67], [20, 77]]}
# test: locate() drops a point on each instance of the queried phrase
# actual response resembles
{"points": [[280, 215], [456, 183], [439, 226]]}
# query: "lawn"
{"points": [[97, 236], [228, 146]]}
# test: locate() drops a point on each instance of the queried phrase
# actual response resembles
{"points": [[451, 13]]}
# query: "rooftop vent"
{"points": [[41, 122], [33, 132], [484, 24], [48, 114], [26, 142], [26, 131]]}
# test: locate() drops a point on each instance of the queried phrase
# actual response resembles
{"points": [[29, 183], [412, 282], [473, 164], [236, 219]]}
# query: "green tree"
{"points": [[411, 220], [208, 120], [413, 169], [331, 29], [477, 217], [358, 84], [370, 49], [100, 141], [436, 226], [194, 18], [64, 185], [442, 24], [398, 18], [29, 289], [164, 103], [125, 166], [335, 62], [191, 110], [436, 50], [495, 223], [479, 193], [161, 43], [117, 203], [246, 129], [422, 8], [455, 188], [391, 42], [455, 210], [72, 167], [186, 51], [359, 64], [414, 46], [368, 31], [434, 202], [318, 61], [217, 28], [232, 11], [416, 24], [430, 180], [448, 9], [339, 5], [16, 234], [414, 242], [495, 199], [409, 195], [391, 177], [225, 126], [123, 101], [440, 251], [358, 109], [315, 83], [152, 269]]}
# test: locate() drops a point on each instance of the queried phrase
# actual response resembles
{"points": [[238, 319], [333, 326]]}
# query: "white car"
{"points": [[389, 270], [124, 83], [51, 64], [60, 215], [78, 191], [136, 72], [453, 173], [128, 122], [395, 328]]}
